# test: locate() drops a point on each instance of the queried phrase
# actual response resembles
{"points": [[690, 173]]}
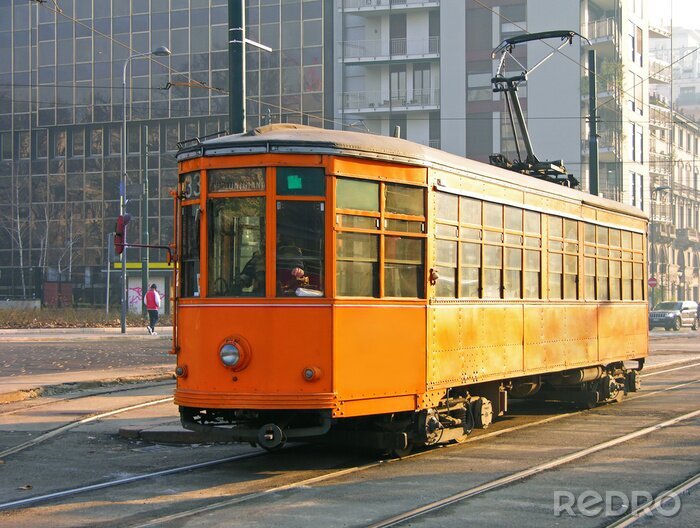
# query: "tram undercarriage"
{"points": [[460, 411]]}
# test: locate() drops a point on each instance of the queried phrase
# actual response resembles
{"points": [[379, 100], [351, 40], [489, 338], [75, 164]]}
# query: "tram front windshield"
{"points": [[237, 244]]}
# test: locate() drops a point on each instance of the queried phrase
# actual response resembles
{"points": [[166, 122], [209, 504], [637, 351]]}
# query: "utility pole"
{"points": [[236, 66], [145, 238], [593, 168]]}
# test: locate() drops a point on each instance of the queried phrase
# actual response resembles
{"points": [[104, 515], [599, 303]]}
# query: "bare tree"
{"points": [[72, 241], [41, 218], [16, 224]]}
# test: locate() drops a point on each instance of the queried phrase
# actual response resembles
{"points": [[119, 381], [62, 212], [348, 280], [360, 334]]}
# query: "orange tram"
{"points": [[371, 291]]}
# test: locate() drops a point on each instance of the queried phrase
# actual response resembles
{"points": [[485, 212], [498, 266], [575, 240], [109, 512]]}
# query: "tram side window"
{"points": [[470, 219], [615, 254], [626, 242], [357, 254], [358, 264], [589, 264], [602, 264], [446, 216], [396, 213], [404, 212], [533, 259], [403, 266], [236, 247], [513, 253], [493, 251], [638, 266], [189, 260]]}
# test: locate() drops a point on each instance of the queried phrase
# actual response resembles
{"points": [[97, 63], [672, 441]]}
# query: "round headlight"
{"points": [[230, 354]]}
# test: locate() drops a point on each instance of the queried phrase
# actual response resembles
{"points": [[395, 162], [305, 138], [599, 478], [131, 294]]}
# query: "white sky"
{"points": [[686, 13]]}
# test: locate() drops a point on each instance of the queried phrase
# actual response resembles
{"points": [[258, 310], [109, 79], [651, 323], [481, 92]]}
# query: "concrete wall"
{"points": [[553, 89], [20, 305], [453, 77]]}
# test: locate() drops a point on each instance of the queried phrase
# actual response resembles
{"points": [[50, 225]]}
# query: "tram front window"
{"points": [[236, 247], [300, 249], [189, 265]]}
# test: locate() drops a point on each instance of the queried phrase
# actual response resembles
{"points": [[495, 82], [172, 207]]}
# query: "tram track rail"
{"points": [[77, 423], [90, 393], [645, 510], [529, 472], [94, 417], [31, 501]]}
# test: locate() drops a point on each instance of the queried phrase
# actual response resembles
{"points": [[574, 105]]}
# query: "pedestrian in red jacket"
{"points": [[152, 302]]}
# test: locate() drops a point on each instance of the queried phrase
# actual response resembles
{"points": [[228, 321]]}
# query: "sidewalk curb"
{"points": [[62, 388], [16, 335]]}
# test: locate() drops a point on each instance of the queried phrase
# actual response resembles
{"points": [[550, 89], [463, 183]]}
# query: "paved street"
{"points": [[242, 489], [48, 357]]}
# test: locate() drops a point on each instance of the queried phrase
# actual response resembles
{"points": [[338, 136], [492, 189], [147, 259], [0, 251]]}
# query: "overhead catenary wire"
{"points": [[59, 11], [195, 83], [622, 92]]}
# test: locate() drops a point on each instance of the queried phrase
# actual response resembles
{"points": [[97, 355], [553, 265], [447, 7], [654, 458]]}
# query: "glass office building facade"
{"points": [[61, 107]]}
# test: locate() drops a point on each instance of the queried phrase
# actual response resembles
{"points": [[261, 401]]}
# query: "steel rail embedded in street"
{"points": [[294, 485], [77, 423], [520, 475]]}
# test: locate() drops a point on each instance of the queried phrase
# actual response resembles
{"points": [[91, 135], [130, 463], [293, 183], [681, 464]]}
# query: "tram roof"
{"points": [[301, 139]]}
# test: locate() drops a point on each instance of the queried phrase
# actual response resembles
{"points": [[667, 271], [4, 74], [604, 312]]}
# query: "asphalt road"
{"points": [[51, 357]]}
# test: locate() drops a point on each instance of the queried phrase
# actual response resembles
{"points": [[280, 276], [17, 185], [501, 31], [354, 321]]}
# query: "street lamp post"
{"points": [[654, 192], [161, 51]]}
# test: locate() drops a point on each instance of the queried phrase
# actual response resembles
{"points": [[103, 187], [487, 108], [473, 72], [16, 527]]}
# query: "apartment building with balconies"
{"points": [[427, 67], [388, 67]]}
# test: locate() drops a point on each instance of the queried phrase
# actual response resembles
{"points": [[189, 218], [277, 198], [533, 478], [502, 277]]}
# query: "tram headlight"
{"points": [[235, 353], [230, 354]]}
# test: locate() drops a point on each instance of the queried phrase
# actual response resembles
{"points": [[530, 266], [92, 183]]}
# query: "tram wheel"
{"points": [[402, 452]]}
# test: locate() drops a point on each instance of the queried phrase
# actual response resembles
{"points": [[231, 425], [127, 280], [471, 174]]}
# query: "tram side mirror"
{"points": [[120, 233]]}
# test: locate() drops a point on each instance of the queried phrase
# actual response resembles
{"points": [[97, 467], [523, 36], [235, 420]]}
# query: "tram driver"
{"points": [[290, 267]]}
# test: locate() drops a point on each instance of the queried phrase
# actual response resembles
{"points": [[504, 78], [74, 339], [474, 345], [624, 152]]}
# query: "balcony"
{"points": [[384, 49], [608, 146], [603, 32], [656, 30], [663, 231], [379, 101], [686, 237], [659, 72], [659, 117], [371, 6], [659, 163]]}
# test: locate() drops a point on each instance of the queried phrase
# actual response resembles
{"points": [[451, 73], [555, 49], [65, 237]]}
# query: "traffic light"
{"points": [[120, 232]]}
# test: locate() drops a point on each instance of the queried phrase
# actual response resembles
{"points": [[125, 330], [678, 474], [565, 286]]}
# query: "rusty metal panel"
{"points": [[622, 332], [445, 354], [560, 336]]}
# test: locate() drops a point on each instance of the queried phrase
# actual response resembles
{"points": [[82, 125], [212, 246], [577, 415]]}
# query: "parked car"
{"points": [[674, 315]]}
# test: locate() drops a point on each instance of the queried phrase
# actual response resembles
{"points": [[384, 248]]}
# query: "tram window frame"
{"points": [[235, 278], [613, 268], [563, 258], [446, 210], [470, 237], [393, 228], [301, 271], [190, 247]]}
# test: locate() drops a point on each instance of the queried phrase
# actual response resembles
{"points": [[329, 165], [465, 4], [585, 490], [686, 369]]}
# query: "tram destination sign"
{"points": [[241, 179]]}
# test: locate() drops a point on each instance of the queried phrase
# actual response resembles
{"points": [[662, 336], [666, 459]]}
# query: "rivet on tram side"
{"points": [[181, 371], [235, 378]]}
